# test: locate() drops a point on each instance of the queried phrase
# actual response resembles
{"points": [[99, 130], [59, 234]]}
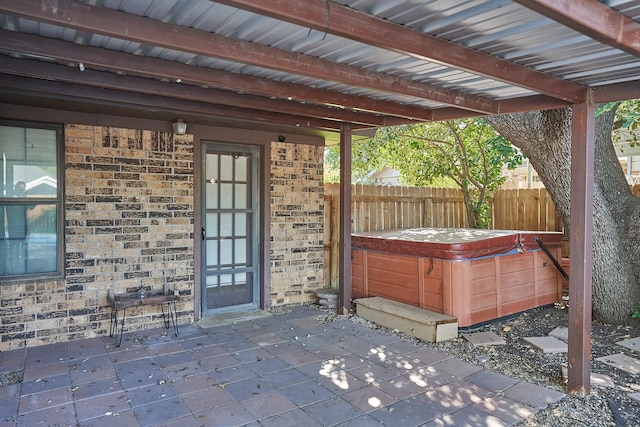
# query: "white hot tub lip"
{"points": [[438, 235]]}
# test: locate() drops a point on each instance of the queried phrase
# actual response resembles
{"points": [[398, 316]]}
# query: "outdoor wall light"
{"points": [[179, 127]]}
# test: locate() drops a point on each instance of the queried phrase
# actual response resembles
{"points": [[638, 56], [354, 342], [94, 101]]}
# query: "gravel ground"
{"points": [[604, 406], [8, 378]]}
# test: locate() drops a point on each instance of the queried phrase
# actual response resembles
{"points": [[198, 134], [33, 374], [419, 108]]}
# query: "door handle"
{"points": [[204, 234]]}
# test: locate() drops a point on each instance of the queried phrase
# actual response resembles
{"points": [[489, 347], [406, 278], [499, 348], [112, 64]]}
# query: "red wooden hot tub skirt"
{"points": [[474, 275]]}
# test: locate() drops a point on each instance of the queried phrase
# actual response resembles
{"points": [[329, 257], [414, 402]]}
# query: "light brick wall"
{"points": [[129, 209], [297, 222], [128, 222]]}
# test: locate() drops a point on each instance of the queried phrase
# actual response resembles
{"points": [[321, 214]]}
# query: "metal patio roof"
{"points": [[336, 68], [315, 63]]}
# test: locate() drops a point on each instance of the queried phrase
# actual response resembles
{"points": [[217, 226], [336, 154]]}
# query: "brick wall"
{"points": [[129, 223], [297, 222], [129, 207]]}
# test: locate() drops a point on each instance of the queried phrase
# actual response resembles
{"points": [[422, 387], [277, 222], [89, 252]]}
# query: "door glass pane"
{"points": [[211, 196], [241, 278], [226, 280], [226, 252], [212, 224], [226, 196], [211, 172], [226, 225], [241, 251], [212, 281], [226, 167], [241, 169], [241, 196], [212, 253], [241, 224]]}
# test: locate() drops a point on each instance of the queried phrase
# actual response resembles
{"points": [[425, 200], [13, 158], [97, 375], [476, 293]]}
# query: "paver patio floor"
{"points": [[284, 370]]}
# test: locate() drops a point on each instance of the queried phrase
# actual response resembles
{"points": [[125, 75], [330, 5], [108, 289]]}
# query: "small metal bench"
{"points": [[121, 302]]}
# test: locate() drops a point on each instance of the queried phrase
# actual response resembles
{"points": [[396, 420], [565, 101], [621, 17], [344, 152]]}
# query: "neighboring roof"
{"points": [[317, 63]]}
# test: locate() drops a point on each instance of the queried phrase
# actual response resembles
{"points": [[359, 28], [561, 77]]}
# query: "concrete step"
{"points": [[423, 324]]}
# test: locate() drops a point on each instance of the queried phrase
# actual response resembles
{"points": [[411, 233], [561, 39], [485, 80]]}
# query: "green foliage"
{"points": [[332, 163], [627, 121], [636, 314], [332, 167], [468, 153]]}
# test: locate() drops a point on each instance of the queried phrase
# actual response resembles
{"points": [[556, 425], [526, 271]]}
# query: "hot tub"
{"points": [[474, 275]]}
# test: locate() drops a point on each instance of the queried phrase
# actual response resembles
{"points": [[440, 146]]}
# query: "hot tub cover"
{"points": [[453, 243]]}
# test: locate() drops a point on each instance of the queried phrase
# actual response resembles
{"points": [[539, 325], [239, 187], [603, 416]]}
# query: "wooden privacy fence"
{"points": [[375, 208]]}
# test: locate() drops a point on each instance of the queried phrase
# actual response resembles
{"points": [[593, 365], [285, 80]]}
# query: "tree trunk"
{"points": [[545, 138], [466, 197]]}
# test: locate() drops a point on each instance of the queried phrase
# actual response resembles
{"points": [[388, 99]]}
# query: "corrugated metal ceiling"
{"points": [[500, 28]]}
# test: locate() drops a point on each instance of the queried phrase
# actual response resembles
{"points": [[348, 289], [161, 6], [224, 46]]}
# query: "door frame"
{"points": [[252, 235], [211, 134]]}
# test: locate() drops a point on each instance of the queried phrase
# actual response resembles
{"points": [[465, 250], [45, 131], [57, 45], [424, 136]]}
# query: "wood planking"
{"points": [[474, 291], [393, 276], [483, 283], [432, 289], [358, 274], [376, 208]]}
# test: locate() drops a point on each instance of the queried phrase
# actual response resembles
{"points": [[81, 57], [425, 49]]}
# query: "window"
{"points": [[30, 201]]}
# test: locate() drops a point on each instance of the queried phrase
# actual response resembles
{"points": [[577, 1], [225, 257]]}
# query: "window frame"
{"points": [[58, 202]]}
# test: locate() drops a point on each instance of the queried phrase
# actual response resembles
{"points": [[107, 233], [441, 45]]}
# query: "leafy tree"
{"points": [[545, 138], [468, 153], [627, 120], [332, 163]]}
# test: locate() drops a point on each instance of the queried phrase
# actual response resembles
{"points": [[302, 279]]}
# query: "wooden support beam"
{"points": [[53, 72], [344, 293], [19, 87], [125, 26], [594, 19], [344, 21], [121, 62], [616, 92], [581, 237]]}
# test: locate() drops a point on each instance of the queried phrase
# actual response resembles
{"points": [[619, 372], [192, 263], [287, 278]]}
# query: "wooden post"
{"points": [[335, 240], [582, 183], [428, 209], [344, 293]]}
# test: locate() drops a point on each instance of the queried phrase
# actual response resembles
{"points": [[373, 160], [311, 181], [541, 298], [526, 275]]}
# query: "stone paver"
{"points": [[256, 373], [621, 361], [457, 367], [332, 411], [561, 332], [484, 338], [631, 344], [491, 381], [506, 409], [469, 416], [369, 399], [599, 380], [533, 395], [547, 344]]}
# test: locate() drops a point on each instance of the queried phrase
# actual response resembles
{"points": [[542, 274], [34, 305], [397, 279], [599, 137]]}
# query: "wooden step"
{"points": [[423, 324]]}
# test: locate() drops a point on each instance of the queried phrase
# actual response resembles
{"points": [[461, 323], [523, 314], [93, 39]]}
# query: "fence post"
{"points": [[428, 207]]}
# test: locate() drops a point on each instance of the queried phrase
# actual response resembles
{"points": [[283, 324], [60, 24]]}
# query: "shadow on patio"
{"points": [[284, 370]]}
